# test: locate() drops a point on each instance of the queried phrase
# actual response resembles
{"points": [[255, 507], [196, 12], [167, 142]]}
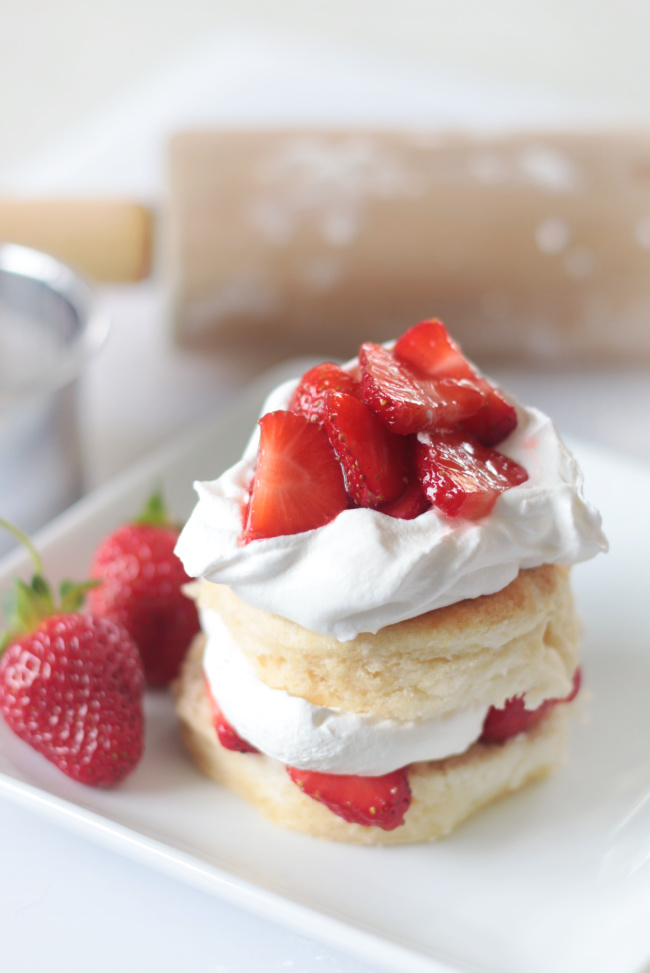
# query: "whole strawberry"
{"points": [[71, 684], [141, 581]]}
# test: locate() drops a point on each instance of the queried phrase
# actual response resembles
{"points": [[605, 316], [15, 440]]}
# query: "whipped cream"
{"points": [[365, 570], [310, 737]]}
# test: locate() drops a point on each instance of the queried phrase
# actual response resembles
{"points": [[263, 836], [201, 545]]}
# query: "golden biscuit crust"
{"points": [[520, 640]]}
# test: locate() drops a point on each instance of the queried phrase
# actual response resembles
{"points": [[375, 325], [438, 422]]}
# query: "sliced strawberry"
{"points": [[513, 718], [228, 736], [410, 505], [381, 802], [408, 401], [462, 478], [428, 347], [375, 461], [298, 483], [308, 398], [494, 421]]}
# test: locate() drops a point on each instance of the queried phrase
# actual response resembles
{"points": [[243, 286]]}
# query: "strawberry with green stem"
{"points": [[140, 581], [70, 683]]}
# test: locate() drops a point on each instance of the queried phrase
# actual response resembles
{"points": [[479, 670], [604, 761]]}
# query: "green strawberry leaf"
{"points": [[27, 605], [41, 594], [155, 512], [72, 594]]}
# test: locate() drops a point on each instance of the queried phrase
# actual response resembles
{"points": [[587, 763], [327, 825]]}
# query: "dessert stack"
{"points": [[389, 640]]}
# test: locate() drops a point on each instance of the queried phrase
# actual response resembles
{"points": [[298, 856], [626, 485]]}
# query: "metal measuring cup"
{"points": [[50, 323]]}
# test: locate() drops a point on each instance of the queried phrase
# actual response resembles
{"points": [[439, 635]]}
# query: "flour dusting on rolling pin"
{"points": [[304, 241]]}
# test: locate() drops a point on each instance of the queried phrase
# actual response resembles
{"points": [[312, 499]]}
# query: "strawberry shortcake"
{"points": [[389, 640]]}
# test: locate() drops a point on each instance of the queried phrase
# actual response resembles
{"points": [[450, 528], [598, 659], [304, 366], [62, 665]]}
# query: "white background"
{"points": [[63, 62]]}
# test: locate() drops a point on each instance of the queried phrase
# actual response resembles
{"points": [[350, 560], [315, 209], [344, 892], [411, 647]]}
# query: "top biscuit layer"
{"points": [[521, 640]]}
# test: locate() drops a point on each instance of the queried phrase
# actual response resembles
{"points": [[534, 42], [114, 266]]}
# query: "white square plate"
{"points": [[555, 879]]}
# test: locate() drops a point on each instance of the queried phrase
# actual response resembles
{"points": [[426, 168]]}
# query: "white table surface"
{"points": [[66, 905]]}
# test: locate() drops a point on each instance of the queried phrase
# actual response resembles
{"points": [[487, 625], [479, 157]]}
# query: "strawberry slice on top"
{"points": [[308, 398], [379, 802], [376, 463], [428, 347], [410, 504], [298, 483], [461, 477], [409, 401]]}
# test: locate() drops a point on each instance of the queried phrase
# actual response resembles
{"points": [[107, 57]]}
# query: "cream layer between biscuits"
{"points": [[296, 732]]}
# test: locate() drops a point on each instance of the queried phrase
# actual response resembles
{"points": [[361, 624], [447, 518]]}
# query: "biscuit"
{"points": [[520, 640], [444, 792]]}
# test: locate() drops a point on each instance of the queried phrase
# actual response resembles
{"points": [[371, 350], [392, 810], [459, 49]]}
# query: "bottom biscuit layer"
{"points": [[445, 792]]}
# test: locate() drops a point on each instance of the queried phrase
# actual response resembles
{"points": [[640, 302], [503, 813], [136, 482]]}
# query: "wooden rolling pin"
{"points": [[533, 246], [109, 240]]}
